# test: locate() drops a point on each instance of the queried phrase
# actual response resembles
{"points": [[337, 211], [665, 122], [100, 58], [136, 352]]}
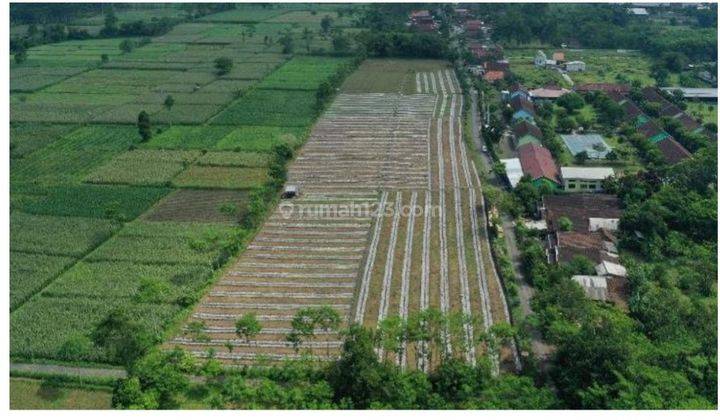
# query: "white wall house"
{"points": [[584, 179], [575, 66]]}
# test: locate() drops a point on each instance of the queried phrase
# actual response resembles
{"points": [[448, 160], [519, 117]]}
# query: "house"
{"points": [[493, 76], [595, 287], [476, 70], [558, 57], [579, 208], [709, 94], [519, 90], [499, 65], [513, 170], [592, 144], [523, 115], [607, 268], [638, 11], [549, 93], [575, 66], [520, 102], [537, 162], [540, 59], [473, 27], [672, 151], [582, 179], [525, 132]]}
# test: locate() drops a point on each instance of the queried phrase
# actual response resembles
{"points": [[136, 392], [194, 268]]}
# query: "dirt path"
{"points": [[68, 370]]}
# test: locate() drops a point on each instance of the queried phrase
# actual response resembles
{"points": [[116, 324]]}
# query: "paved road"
{"points": [[540, 349], [68, 370]]}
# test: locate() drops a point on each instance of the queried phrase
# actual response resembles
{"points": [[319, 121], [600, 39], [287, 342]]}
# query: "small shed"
{"points": [[513, 170], [575, 66], [607, 268], [290, 191], [595, 287]]}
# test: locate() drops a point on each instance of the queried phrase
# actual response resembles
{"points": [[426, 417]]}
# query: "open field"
{"points": [[33, 394], [607, 66], [390, 222], [96, 212], [388, 75]]}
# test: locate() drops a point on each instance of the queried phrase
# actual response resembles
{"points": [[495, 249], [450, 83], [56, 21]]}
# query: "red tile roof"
{"points": [[537, 162], [493, 75], [558, 56], [673, 151]]}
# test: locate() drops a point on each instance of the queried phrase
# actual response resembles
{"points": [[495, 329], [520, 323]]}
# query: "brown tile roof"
{"points": [[558, 56], [673, 151], [537, 162], [587, 244], [473, 25], [524, 128], [688, 122], [653, 95], [649, 129], [631, 110], [670, 111], [518, 102], [497, 66], [494, 75], [579, 208]]}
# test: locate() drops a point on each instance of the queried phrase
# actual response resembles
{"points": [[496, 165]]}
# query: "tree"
{"points": [[223, 65], [20, 54], [152, 290], [325, 25], [286, 40], [581, 157], [127, 46], [565, 224], [571, 101], [124, 338], [302, 327], [340, 41], [155, 382], [247, 327], [358, 377], [111, 24], [327, 319], [307, 36], [144, 127], [169, 102]]}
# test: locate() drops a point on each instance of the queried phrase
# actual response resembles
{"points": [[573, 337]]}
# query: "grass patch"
{"points": [[221, 177], [143, 167], [33, 394]]}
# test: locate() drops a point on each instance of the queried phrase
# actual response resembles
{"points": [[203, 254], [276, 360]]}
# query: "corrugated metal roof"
{"points": [[595, 286], [607, 268], [513, 169], [593, 144], [589, 173]]}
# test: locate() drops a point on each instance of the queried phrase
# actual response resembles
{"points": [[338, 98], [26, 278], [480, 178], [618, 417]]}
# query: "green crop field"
{"points": [[270, 107], [97, 213]]}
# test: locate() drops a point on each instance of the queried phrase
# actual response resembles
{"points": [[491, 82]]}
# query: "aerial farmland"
{"points": [[303, 206]]}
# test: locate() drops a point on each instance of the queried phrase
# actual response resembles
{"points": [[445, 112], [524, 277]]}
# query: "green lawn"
{"points": [[33, 394]]}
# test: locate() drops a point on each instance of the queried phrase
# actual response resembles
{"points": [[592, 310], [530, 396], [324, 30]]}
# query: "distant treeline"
{"points": [[606, 26]]}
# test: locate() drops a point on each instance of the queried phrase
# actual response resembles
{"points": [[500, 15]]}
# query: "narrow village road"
{"points": [[525, 291]]}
